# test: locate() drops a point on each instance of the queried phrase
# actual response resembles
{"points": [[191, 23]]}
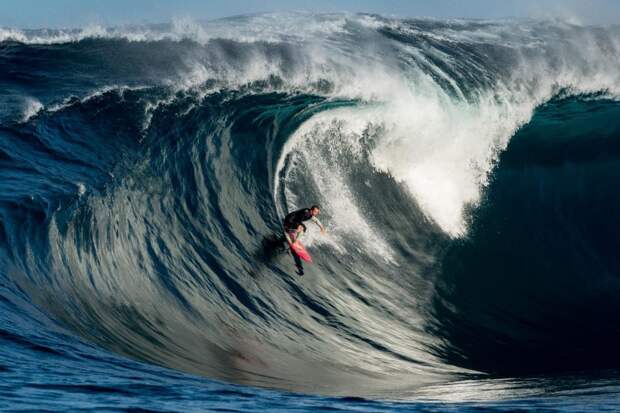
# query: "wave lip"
{"points": [[273, 28]]}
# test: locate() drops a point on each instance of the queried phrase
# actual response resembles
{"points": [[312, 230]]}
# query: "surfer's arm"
{"points": [[318, 223], [298, 233]]}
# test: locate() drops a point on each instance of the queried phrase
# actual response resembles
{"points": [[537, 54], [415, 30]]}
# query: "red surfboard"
{"points": [[301, 252], [298, 250]]}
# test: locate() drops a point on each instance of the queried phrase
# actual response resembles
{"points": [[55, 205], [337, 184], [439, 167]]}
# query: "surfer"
{"points": [[294, 227], [293, 222]]}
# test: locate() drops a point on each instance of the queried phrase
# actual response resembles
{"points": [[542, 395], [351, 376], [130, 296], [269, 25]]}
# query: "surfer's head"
{"points": [[315, 209]]}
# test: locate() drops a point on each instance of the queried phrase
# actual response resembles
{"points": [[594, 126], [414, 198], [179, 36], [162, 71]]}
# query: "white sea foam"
{"points": [[274, 27], [81, 188], [72, 100], [32, 107]]}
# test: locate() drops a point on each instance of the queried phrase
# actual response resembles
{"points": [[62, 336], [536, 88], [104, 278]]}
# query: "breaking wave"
{"points": [[467, 172]]}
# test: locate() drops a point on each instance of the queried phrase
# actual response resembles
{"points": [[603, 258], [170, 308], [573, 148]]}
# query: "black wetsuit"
{"points": [[291, 222], [296, 218]]}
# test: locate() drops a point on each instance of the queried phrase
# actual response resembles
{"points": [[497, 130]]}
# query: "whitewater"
{"points": [[467, 173]]}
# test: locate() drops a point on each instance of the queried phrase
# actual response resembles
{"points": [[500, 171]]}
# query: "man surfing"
{"points": [[293, 229]]}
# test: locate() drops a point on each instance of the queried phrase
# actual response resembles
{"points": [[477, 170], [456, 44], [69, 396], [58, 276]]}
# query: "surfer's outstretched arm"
{"points": [[318, 223]]}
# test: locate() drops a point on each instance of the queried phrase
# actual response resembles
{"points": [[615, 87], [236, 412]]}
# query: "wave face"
{"points": [[467, 172]]}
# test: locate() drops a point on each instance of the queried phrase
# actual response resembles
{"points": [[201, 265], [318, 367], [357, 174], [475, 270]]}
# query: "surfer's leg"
{"points": [[298, 264]]}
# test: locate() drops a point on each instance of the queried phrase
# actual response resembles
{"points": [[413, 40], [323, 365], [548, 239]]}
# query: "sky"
{"points": [[80, 13]]}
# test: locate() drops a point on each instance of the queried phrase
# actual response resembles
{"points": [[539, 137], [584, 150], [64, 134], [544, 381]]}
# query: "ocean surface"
{"points": [[468, 176]]}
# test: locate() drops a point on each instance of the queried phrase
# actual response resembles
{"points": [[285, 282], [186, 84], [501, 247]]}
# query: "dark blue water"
{"points": [[467, 172]]}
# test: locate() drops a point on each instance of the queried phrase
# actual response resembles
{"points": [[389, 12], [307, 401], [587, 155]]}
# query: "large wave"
{"points": [[466, 171]]}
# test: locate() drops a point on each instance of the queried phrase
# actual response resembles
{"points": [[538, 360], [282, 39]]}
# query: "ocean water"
{"points": [[468, 176]]}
